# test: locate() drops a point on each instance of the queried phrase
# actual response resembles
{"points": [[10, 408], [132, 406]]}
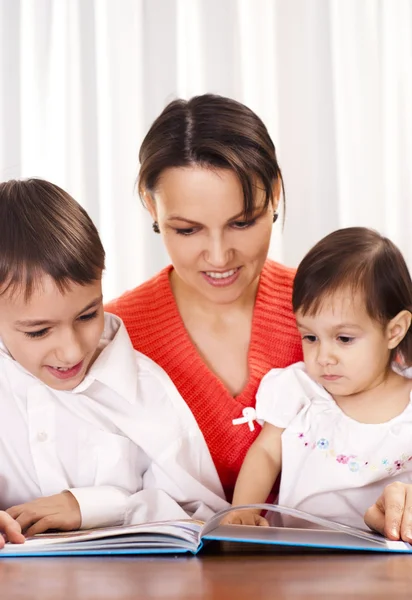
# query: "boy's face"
{"points": [[54, 335]]}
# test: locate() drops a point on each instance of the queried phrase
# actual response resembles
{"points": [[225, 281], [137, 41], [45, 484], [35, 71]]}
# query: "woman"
{"points": [[220, 316]]}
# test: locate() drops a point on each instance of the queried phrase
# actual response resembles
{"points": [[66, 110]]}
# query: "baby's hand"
{"points": [[391, 515], [10, 530], [244, 517], [60, 511]]}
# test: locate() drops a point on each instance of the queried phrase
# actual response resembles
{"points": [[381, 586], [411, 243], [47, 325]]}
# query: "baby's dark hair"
{"points": [[44, 231], [364, 261]]}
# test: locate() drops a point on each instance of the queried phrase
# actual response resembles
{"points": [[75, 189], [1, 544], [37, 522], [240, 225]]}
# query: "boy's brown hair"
{"points": [[44, 231], [361, 260]]}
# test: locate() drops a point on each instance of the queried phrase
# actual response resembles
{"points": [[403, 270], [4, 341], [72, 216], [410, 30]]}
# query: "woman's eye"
{"points": [[36, 334], [345, 339], [89, 316], [309, 338], [188, 231], [243, 224]]}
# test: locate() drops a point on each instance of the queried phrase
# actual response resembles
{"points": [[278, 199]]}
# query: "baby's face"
{"points": [[54, 335], [344, 350]]}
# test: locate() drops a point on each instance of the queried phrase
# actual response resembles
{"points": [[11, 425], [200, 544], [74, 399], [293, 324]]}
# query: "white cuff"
{"points": [[102, 506]]}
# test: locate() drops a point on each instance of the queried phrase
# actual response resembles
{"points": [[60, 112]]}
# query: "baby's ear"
{"points": [[398, 328]]}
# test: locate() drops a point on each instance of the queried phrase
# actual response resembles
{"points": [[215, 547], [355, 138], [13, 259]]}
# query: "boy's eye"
{"points": [[42, 332], [345, 339], [188, 231], [89, 316], [36, 334], [309, 338]]}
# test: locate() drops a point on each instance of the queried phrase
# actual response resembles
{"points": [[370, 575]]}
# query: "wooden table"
{"points": [[241, 576]]}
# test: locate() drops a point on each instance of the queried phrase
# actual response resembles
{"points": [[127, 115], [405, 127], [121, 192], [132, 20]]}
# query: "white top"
{"points": [[124, 442], [332, 465]]}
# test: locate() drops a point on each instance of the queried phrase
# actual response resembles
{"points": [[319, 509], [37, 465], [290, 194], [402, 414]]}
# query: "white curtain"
{"points": [[81, 81]]}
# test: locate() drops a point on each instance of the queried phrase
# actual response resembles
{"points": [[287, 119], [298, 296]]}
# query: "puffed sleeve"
{"points": [[282, 394]]}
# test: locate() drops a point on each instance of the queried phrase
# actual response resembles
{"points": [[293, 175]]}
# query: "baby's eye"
{"points": [[345, 339], [309, 338]]}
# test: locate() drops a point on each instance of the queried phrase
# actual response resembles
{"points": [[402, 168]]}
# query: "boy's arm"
{"points": [[181, 468], [178, 478], [177, 483], [186, 473], [88, 508], [173, 475], [259, 471]]}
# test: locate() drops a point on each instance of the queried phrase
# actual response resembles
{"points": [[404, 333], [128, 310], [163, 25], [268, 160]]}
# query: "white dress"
{"points": [[332, 465]]}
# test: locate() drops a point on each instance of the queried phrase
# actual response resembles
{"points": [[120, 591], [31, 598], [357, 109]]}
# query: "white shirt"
{"points": [[332, 465], [124, 442]]}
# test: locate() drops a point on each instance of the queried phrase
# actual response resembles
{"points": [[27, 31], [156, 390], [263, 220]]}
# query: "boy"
{"points": [[92, 433]]}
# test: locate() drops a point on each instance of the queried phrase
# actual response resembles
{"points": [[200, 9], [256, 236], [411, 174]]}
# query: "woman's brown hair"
{"points": [[43, 230], [361, 260], [212, 132]]}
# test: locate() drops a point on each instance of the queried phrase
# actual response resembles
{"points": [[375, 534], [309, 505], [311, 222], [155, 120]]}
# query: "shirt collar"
{"points": [[3, 351], [116, 365]]}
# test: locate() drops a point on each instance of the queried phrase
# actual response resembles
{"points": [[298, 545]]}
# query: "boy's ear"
{"points": [[398, 328]]}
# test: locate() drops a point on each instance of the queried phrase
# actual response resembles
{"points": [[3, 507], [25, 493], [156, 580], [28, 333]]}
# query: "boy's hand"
{"points": [[60, 511], [391, 515], [244, 517], [9, 529]]}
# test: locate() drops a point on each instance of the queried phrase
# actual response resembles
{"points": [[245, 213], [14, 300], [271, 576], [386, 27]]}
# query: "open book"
{"points": [[173, 537]]}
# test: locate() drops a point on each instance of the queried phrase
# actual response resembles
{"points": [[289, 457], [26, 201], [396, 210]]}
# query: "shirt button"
{"points": [[42, 436]]}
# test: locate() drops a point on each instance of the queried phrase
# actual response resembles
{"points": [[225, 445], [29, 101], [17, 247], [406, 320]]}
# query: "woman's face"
{"points": [[214, 250]]}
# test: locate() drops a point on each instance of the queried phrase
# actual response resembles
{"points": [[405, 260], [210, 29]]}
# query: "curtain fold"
{"points": [[82, 80]]}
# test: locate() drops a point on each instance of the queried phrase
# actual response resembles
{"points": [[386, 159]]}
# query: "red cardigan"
{"points": [[156, 329]]}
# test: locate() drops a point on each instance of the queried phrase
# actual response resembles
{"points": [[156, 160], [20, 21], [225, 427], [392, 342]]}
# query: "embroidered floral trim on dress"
{"points": [[355, 463]]}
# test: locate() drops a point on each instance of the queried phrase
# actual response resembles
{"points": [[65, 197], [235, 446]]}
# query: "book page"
{"points": [[325, 524], [290, 536], [183, 534]]}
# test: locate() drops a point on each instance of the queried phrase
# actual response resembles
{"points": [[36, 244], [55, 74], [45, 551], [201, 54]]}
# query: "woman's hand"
{"points": [[391, 515], [10, 530]]}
